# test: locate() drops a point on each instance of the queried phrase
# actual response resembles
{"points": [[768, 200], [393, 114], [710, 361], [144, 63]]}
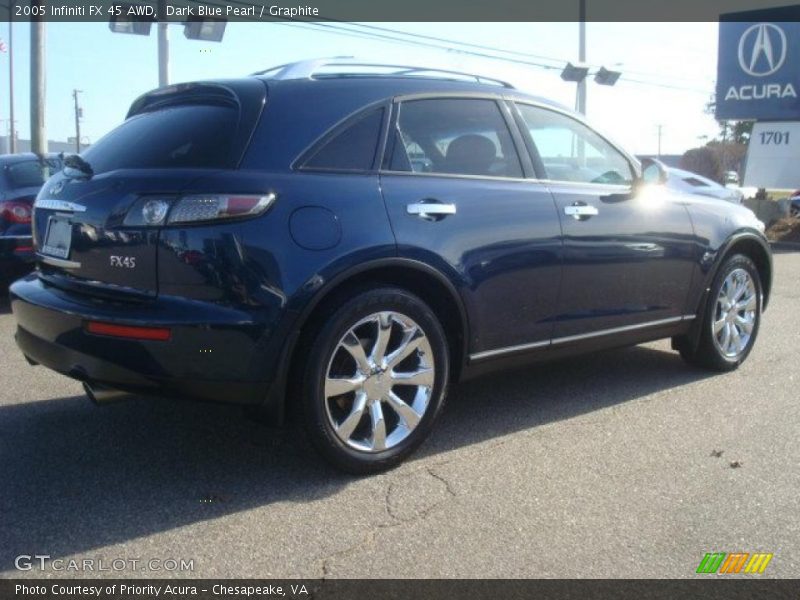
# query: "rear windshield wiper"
{"points": [[75, 162]]}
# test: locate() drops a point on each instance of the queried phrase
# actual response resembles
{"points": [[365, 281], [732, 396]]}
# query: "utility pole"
{"points": [[659, 126], [163, 46], [38, 131], [78, 114], [581, 100], [12, 134]]}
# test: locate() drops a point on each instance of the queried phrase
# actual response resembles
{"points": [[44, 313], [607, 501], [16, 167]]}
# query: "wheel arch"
{"points": [[432, 286], [749, 244], [756, 249]]}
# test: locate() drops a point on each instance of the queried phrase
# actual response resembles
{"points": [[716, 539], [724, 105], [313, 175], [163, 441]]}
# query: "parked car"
{"points": [[794, 207], [731, 178], [692, 183], [290, 255], [21, 177]]}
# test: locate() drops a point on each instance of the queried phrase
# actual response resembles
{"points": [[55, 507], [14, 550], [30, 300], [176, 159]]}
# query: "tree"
{"points": [[704, 161]]}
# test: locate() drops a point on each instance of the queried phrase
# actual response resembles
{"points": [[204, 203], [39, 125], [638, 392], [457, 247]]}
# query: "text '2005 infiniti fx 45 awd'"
{"points": [[349, 242]]}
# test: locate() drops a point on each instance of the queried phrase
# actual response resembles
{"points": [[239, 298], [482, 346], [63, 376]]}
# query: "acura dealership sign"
{"points": [[758, 70]]}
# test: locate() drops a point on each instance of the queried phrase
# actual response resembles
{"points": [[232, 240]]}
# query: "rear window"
{"points": [[183, 136], [30, 173], [352, 149]]}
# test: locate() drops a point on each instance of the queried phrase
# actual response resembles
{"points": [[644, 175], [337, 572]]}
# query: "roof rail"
{"points": [[344, 66]]}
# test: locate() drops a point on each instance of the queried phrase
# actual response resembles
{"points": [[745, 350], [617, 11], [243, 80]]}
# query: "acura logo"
{"points": [[762, 49]]}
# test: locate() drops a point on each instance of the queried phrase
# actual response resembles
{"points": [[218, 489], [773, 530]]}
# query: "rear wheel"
{"points": [[375, 380], [731, 318]]}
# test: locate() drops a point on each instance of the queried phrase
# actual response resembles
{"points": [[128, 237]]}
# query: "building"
{"points": [[25, 145]]}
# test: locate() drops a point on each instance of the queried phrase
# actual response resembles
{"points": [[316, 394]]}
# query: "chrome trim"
{"points": [[53, 204], [16, 237], [573, 338], [509, 349], [306, 69], [458, 176], [581, 211], [425, 210], [602, 332], [58, 262]]}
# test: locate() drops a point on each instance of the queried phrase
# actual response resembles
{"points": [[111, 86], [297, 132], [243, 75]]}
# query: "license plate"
{"points": [[57, 238]]}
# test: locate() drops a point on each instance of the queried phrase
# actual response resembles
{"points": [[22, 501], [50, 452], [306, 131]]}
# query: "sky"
{"points": [[668, 69]]}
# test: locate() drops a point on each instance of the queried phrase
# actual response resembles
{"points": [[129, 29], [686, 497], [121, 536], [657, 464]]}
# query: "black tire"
{"points": [[323, 348], [708, 353]]}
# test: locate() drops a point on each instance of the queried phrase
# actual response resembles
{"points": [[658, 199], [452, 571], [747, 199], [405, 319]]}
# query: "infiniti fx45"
{"points": [[351, 244]]}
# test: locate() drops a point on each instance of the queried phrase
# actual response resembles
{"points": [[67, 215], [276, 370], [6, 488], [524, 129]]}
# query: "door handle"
{"points": [[581, 212], [643, 247], [431, 210]]}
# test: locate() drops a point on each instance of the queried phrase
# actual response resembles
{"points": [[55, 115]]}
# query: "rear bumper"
{"points": [[214, 353], [16, 256]]}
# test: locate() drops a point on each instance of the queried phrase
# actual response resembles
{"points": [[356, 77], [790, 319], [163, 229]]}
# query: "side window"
{"points": [[460, 136], [352, 149], [570, 151]]}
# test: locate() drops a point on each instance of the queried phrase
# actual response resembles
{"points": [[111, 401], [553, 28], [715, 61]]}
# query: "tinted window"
{"points": [[570, 151], [30, 173], [353, 149], [174, 137], [456, 135]]}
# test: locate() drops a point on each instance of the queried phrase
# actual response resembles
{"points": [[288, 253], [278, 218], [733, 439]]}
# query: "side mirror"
{"points": [[653, 171]]}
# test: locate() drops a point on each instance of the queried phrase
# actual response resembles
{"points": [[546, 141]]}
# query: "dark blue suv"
{"points": [[349, 243]]}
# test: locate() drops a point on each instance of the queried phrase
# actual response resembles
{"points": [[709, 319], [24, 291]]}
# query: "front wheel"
{"points": [[731, 318], [375, 380]]}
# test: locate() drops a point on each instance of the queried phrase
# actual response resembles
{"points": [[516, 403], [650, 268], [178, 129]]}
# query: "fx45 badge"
{"points": [[123, 262]]}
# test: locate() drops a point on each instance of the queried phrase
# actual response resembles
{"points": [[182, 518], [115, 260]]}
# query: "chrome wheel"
{"points": [[735, 314], [379, 382]]}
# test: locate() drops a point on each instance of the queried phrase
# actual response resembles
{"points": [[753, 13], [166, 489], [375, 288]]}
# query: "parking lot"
{"points": [[620, 464]]}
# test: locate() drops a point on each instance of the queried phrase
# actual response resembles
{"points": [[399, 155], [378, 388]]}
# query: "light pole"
{"points": [[12, 134], [163, 47], [580, 100], [78, 115], [38, 131], [208, 30]]}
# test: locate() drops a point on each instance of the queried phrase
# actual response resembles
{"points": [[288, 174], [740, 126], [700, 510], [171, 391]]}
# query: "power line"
{"points": [[389, 35], [338, 30], [559, 61]]}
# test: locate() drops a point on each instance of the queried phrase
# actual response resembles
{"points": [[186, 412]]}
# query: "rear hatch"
{"points": [[88, 228]]}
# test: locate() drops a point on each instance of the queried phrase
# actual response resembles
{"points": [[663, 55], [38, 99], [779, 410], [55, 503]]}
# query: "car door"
{"points": [[628, 257], [457, 198]]}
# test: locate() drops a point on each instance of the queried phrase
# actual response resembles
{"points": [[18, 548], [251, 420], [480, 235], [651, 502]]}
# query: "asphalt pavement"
{"points": [[625, 463]]}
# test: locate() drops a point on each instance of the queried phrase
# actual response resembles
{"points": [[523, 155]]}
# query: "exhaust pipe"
{"points": [[100, 394]]}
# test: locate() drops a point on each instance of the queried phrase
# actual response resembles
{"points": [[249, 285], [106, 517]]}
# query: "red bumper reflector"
{"points": [[158, 334], [23, 249]]}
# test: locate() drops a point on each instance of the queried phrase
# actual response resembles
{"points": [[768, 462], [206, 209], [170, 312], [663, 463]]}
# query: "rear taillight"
{"points": [[15, 212], [192, 209], [156, 211]]}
